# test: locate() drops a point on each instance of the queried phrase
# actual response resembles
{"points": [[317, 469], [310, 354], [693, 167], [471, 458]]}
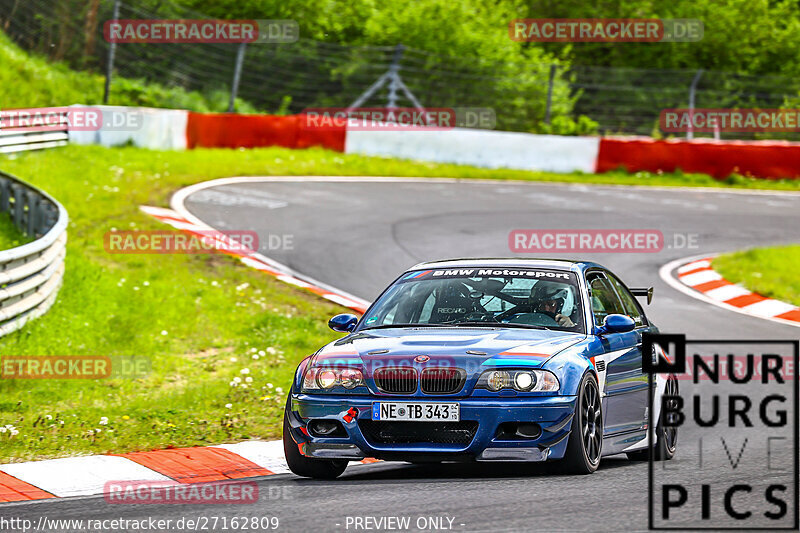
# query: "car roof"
{"points": [[506, 262]]}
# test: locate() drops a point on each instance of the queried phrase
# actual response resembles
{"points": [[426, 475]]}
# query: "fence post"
{"points": [[550, 93], [393, 75], [237, 75], [112, 49], [692, 92]]}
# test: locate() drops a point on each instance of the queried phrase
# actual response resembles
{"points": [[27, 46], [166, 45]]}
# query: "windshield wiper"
{"points": [[495, 324], [385, 326]]}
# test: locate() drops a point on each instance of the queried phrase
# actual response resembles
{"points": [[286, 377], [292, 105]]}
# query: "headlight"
{"points": [[523, 381], [520, 380], [321, 378]]}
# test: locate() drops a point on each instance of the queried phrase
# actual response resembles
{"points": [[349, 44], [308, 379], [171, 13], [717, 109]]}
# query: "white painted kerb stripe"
{"points": [[80, 476], [705, 263], [769, 308], [700, 277], [726, 292]]}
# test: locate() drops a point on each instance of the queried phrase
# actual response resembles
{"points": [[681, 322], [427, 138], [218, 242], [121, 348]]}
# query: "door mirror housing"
{"points": [[615, 323], [344, 323]]}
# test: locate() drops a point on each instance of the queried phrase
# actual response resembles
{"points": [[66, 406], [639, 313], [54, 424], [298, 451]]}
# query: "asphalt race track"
{"points": [[359, 236]]}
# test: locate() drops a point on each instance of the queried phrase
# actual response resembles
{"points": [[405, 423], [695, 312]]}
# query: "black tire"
{"points": [[585, 444], [666, 437], [304, 466]]}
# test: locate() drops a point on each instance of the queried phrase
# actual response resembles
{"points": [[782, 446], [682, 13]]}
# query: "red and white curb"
{"points": [[256, 260], [698, 279], [85, 476]]}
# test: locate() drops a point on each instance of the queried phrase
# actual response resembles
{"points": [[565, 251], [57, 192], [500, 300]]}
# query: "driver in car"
{"points": [[548, 298]]}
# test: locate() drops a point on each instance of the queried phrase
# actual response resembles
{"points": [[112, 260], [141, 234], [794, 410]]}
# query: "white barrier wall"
{"points": [[481, 148], [160, 129]]}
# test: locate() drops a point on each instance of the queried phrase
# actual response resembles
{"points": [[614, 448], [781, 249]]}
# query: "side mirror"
{"points": [[344, 323], [615, 323]]}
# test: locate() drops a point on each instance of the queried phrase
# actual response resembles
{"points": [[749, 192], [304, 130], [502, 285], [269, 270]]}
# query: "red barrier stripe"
{"points": [[228, 130], [14, 490], [764, 159], [196, 465]]}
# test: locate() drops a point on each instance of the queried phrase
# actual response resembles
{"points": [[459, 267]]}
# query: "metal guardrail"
{"points": [[31, 274], [27, 133]]}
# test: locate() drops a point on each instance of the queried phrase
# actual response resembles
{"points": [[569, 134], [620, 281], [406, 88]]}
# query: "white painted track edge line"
{"points": [[178, 205], [665, 273], [442, 179]]}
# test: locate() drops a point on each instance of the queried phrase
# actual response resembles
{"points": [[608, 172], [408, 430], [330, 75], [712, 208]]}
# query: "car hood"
{"points": [[458, 346]]}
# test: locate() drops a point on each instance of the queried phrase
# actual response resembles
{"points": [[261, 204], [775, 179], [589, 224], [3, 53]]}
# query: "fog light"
{"points": [[326, 379], [528, 431], [326, 428], [497, 380], [523, 381]]}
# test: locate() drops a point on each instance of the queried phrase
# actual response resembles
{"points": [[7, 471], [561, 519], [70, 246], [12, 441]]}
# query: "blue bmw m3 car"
{"points": [[483, 360]]}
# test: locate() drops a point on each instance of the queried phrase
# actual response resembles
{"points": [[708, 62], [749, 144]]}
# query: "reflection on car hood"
{"points": [[462, 346]]}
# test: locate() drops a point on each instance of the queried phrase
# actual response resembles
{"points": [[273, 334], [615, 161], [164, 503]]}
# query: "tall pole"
{"points": [[112, 49], [549, 94], [237, 75], [394, 77], [692, 92]]}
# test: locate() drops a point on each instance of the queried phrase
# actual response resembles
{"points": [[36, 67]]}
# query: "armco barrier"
{"points": [[227, 130], [24, 136], [30, 275], [762, 159]]}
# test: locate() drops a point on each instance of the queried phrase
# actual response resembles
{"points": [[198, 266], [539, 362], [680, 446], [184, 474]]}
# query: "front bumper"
{"points": [[552, 413]]}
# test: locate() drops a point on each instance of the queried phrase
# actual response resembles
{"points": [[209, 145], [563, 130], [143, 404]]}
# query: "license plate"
{"points": [[418, 412]]}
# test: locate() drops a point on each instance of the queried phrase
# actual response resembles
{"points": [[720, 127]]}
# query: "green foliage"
{"points": [[564, 125], [751, 36], [30, 81]]}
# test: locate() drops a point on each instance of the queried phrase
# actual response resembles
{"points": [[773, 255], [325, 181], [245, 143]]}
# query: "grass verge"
{"points": [[10, 236], [767, 271], [204, 322]]}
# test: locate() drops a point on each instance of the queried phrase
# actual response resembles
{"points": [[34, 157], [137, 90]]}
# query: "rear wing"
{"points": [[644, 292]]}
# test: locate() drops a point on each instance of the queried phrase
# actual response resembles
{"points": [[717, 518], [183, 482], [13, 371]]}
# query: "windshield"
{"points": [[533, 298]]}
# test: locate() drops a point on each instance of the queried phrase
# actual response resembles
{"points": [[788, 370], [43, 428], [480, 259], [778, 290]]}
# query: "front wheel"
{"points": [[304, 466], [586, 436]]}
